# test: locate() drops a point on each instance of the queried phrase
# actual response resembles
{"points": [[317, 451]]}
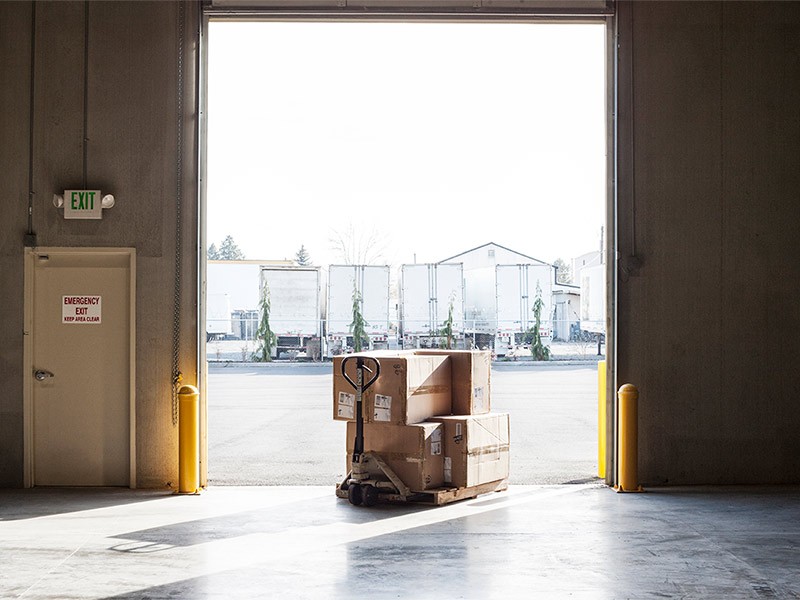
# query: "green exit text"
{"points": [[82, 200]]}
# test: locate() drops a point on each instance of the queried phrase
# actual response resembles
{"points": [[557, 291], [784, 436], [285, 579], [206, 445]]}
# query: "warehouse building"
{"points": [[703, 147]]}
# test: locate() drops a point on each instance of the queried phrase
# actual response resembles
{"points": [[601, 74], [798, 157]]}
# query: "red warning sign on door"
{"points": [[81, 309]]}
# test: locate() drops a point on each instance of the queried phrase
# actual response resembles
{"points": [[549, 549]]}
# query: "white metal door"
{"points": [[80, 367]]}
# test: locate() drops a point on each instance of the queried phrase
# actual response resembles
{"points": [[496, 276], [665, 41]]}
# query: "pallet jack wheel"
{"points": [[354, 494], [369, 495]]}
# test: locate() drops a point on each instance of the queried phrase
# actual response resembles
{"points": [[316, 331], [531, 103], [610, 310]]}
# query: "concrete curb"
{"points": [[546, 363], [223, 364], [229, 364]]}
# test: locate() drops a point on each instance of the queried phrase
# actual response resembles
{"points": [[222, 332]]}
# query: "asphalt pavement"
{"points": [[272, 424]]}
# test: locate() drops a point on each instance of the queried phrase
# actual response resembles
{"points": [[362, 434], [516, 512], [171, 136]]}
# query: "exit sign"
{"points": [[82, 204]]}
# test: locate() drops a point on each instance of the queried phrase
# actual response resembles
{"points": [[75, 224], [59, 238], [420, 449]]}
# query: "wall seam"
{"points": [[721, 317], [632, 110], [31, 122], [85, 141]]}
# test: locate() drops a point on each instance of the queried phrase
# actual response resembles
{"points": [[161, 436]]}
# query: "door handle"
{"points": [[41, 375]]}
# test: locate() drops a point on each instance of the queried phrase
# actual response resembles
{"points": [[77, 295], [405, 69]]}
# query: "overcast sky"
{"points": [[432, 138]]}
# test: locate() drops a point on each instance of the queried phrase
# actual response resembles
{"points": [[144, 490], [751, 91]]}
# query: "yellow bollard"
{"points": [[188, 440], [628, 452], [601, 419]]}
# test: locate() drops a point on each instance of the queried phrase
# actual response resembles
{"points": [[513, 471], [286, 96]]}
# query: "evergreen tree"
{"points": [[267, 340], [229, 250], [213, 253], [447, 330], [359, 325], [302, 257], [538, 350]]}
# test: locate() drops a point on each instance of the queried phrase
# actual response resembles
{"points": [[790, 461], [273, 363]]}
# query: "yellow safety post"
{"points": [[188, 440], [601, 419], [628, 452]]}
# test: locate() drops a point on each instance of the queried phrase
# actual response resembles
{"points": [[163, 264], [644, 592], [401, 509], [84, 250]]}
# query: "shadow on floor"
{"points": [[47, 501], [313, 512]]}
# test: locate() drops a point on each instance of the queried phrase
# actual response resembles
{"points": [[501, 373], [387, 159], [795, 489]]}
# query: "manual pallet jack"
{"points": [[370, 478]]}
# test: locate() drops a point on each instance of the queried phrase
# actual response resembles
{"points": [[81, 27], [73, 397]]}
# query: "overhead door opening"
{"points": [[357, 152]]}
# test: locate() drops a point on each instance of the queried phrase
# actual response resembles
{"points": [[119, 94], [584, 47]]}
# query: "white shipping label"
{"points": [[81, 309], [383, 401], [382, 414], [448, 469], [478, 399], [345, 405], [459, 436], [383, 408], [436, 442]]}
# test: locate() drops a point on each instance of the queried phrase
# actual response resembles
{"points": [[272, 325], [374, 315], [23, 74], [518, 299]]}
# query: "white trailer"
{"points": [[593, 300], [295, 314], [237, 280], [372, 284], [516, 290], [427, 291], [218, 317]]}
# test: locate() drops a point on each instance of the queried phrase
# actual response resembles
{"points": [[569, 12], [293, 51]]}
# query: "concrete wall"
{"points": [[708, 211], [132, 141], [709, 205]]}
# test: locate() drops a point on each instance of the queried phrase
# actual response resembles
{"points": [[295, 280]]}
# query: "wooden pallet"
{"points": [[439, 496]]}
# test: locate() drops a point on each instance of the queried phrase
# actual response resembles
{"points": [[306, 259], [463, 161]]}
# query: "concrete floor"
{"points": [[577, 541]]}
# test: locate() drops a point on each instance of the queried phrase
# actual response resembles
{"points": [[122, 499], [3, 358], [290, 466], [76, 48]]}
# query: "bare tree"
{"points": [[564, 271], [358, 245]]}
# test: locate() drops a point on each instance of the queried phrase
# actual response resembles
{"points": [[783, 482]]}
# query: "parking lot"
{"points": [[272, 424]]}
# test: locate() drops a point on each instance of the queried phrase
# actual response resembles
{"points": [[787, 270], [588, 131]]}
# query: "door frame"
{"points": [[589, 11], [27, 360]]}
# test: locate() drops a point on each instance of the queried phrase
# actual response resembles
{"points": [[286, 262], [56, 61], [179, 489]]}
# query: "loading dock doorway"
{"points": [[302, 157]]}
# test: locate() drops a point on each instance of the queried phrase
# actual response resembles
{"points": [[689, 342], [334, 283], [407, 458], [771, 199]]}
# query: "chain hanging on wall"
{"points": [[177, 376]]}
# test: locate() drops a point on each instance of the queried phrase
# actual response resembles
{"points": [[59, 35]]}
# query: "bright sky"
{"points": [[432, 138]]}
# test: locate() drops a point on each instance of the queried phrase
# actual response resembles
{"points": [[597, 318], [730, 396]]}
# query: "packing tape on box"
{"points": [[489, 450]]}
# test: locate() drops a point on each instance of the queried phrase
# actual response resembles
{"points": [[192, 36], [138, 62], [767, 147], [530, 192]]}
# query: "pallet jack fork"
{"points": [[370, 476]]}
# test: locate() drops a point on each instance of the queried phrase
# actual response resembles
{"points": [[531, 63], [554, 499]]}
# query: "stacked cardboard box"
{"points": [[429, 417], [410, 389], [475, 448]]}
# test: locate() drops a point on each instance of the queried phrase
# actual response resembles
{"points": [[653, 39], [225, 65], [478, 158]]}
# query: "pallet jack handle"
{"points": [[360, 368], [360, 387]]}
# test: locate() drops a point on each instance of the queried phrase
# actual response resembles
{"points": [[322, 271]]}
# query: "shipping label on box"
{"points": [[476, 448], [413, 452], [382, 409], [436, 441], [343, 392], [345, 407], [479, 401], [471, 379]]}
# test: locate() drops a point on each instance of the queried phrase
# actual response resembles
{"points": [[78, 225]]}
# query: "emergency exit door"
{"points": [[80, 368]]}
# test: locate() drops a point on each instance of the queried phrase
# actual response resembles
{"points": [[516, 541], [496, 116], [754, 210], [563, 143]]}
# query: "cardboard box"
{"points": [[414, 452], [410, 389], [471, 379], [476, 448]]}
